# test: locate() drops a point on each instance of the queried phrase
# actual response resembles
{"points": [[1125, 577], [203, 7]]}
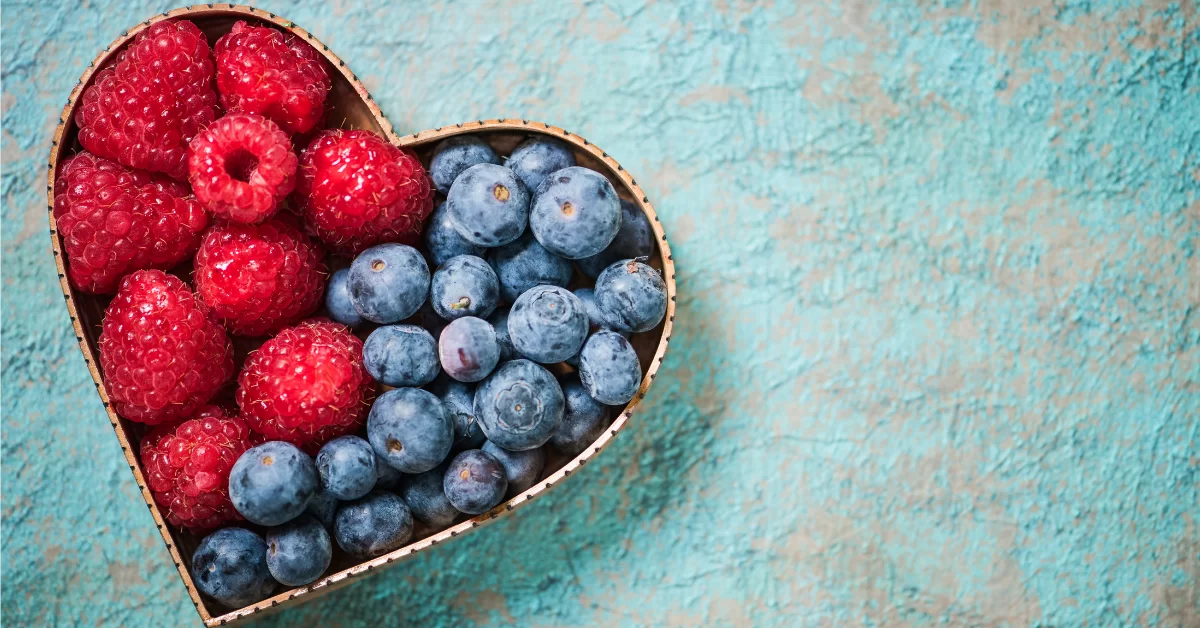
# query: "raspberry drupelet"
{"points": [[242, 167]]}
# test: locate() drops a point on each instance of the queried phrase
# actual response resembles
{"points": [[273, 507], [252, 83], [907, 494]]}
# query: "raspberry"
{"points": [[259, 278], [357, 190], [163, 354], [114, 220], [306, 385], [144, 109], [264, 71], [187, 467], [242, 167]]}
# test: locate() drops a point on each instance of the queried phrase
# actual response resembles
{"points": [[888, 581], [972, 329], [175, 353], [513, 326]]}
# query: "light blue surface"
{"points": [[938, 347]]}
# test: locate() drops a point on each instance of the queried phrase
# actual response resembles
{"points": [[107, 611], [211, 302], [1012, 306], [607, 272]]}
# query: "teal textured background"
{"points": [[938, 347]]}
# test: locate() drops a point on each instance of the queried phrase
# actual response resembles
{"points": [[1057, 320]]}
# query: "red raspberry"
{"points": [[259, 278], [163, 354], [114, 220], [144, 109], [271, 73], [242, 167], [187, 468], [357, 190], [307, 385]]}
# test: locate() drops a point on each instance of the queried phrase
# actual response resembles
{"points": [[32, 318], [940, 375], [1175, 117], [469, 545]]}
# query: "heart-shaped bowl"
{"points": [[353, 107]]}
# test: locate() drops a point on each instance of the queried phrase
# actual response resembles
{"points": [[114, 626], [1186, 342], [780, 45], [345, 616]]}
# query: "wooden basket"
{"points": [[354, 107]]}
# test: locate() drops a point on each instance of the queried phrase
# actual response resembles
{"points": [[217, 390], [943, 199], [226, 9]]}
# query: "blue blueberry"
{"points": [[346, 466], [230, 566], [442, 240], [464, 286], [337, 300], [272, 483], [430, 320], [459, 399], [475, 482], [489, 206], [456, 154], [535, 158], [468, 349], [635, 239], [526, 263], [499, 321], [631, 296], [575, 213], [426, 499], [401, 355], [388, 282], [519, 406], [521, 468], [587, 296], [410, 429], [389, 479], [583, 421], [322, 507], [609, 368], [373, 525], [547, 324], [299, 551]]}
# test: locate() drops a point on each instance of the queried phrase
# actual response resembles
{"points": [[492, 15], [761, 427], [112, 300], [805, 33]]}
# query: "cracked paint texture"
{"points": [[938, 348]]}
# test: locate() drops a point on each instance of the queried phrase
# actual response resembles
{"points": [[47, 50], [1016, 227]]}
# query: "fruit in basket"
{"points": [[631, 296], [442, 241], [468, 349], [609, 368], [499, 322], [346, 466], [337, 299], [521, 468], [464, 285], [634, 239], [584, 419], [519, 405], [230, 566], [426, 498], [488, 205], [575, 213], [388, 283], [525, 263], [401, 355], [242, 168], [298, 551], [459, 399], [537, 157], [454, 155], [475, 482], [547, 324], [410, 429], [272, 483], [373, 525]]}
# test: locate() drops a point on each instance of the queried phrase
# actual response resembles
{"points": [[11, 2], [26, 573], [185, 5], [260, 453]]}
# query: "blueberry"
{"points": [[373, 525], [475, 482], [583, 421], [596, 321], [519, 406], [346, 466], [489, 206], [410, 429], [468, 349], [388, 282], [401, 355], [454, 155], [426, 498], [575, 213], [634, 239], [299, 551], [389, 479], [464, 286], [322, 507], [442, 240], [521, 468], [430, 320], [499, 321], [272, 483], [230, 566], [631, 296], [547, 324], [526, 263], [459, 399], [535, 158], [337, 300], [609, 368]]}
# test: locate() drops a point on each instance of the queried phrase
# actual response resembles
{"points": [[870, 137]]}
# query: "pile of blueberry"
{"points": [[485, 363]]}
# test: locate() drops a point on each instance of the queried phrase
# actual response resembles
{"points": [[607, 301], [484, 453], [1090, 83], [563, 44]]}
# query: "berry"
{"points": [[526, 263], [242, 167], [337, 299], [583, 421], [230, 566], [299, 551], [388, 283], [475, 482], [306, 385], [489, 206], [521, 468], [441, 239], [459, 399], [401, 355], [144, 109], [499, 321], [426, 499], [410, 429], [322, 507], [162, 352], [464, 286], [535, 158], [634, 239], [272, 484], [519, 406], [114, 220], [429, 320], [356, 190], [575, 213], [631, 296], [468, 349], [456, 154], [267, 72], [609, 368], [587, 296], [187, 468], [373, 525], [547, 324], [259, 278], [389, 478], [346, 466]]}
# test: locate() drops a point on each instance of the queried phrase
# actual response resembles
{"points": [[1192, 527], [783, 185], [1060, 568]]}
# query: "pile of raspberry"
{"points": [[205, 199]]}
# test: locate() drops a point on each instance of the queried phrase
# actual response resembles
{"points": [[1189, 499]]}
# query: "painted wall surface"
{"points": [[938, 349]]}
